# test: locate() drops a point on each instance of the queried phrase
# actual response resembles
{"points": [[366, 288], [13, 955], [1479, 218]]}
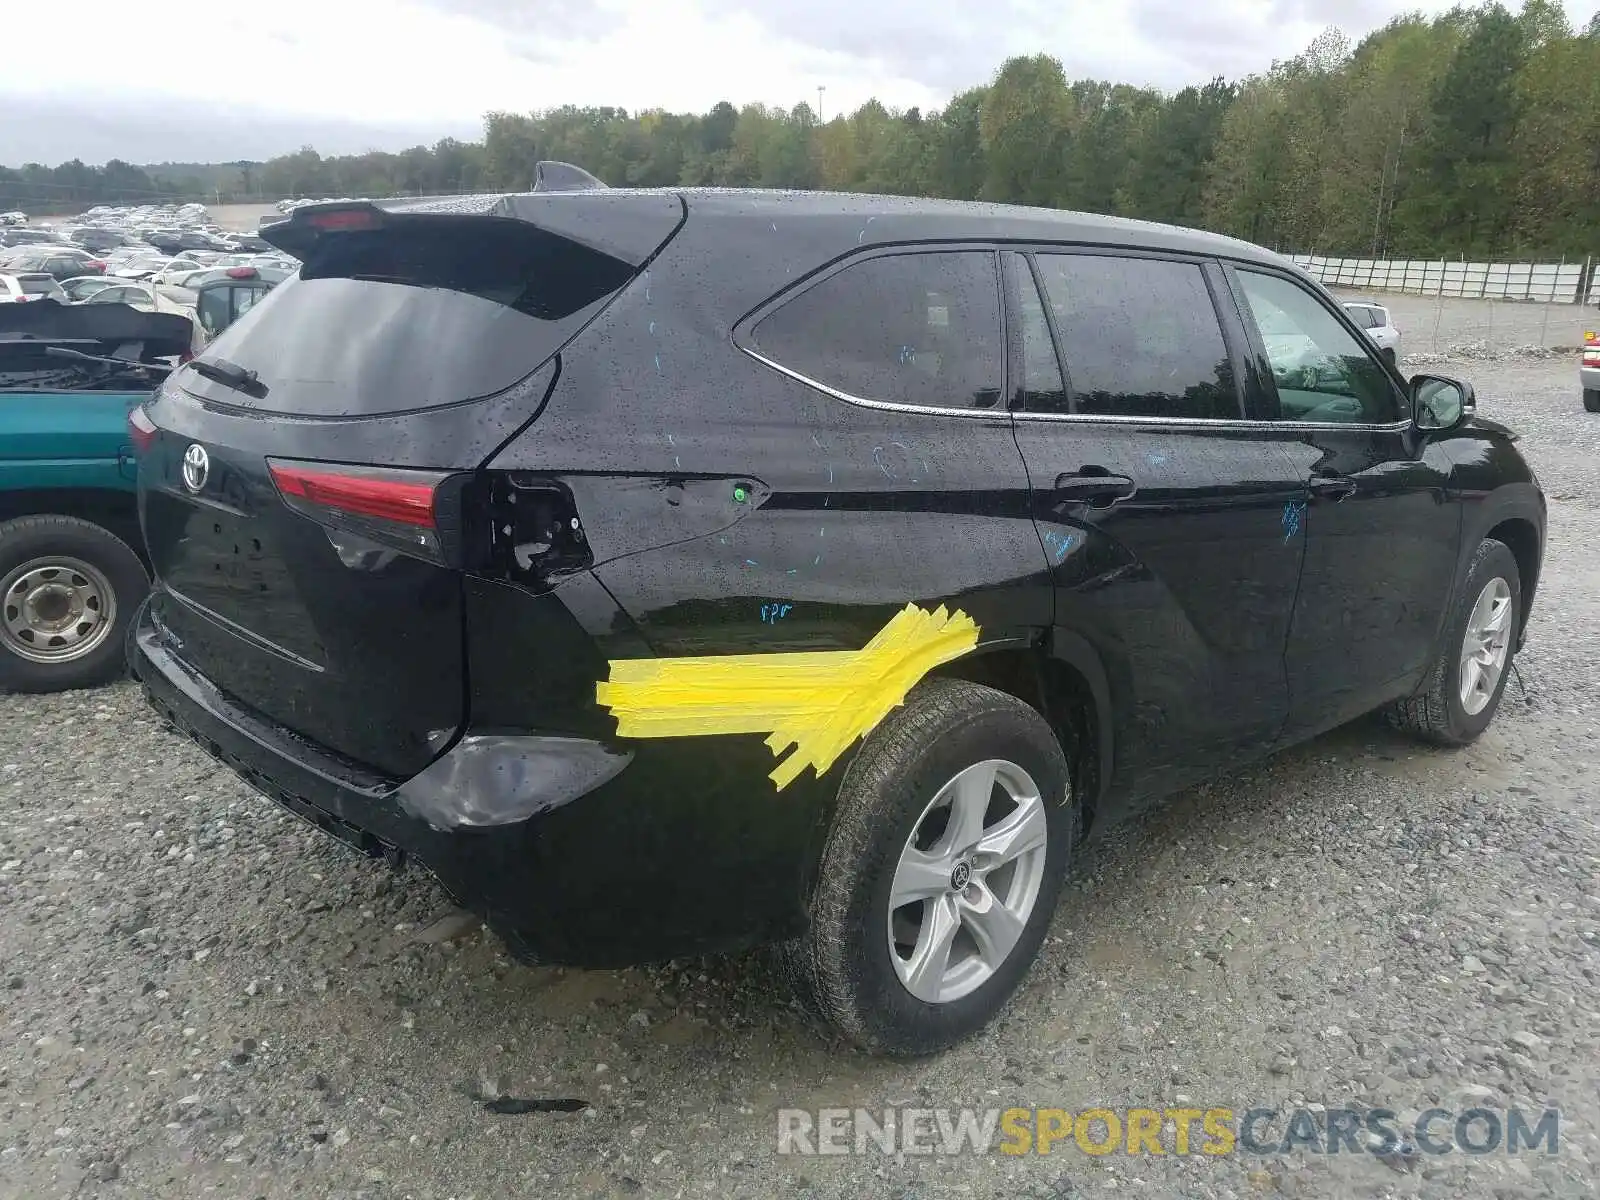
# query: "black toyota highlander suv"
{"points": [[523, 535]]}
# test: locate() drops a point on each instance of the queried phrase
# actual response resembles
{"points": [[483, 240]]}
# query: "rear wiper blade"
{"points": [[230, 374], [125, 363]]}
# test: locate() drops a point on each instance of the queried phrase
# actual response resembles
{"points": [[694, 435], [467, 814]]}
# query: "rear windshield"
{"points": [[429, 312], [37, 285]]}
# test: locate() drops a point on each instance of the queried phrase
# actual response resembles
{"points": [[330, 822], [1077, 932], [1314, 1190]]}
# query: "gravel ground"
{"points": [[203, 997]]}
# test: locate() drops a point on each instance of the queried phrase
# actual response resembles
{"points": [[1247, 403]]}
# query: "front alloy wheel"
{"points": [[1485, 646], [1462, 690]]}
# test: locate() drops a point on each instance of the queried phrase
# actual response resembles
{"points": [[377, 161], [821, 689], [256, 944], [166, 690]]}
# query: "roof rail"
{"points": [[550, 176]]}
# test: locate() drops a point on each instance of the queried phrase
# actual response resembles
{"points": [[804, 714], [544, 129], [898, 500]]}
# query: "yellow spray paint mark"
{"points": [[819, 702]]}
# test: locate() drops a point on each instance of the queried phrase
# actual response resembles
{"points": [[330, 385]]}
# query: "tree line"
{"points": [[1475, 133]]}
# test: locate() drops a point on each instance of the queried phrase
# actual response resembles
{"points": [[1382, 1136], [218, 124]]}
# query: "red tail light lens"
{"points": [[369, 494], [141, 429], [344, 219], [393, 507]]}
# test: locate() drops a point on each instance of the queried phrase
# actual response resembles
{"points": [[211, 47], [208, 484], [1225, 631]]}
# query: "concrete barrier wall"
{"points": [[1568, 283]]}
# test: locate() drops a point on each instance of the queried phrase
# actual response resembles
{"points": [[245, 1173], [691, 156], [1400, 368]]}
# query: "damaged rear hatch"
{"points": [[310, 487]]}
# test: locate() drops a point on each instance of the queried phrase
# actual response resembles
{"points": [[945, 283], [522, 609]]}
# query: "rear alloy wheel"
{"points": [[1591, 399], [967, 882], [1462, 692], [67, 591], [941, 873]]}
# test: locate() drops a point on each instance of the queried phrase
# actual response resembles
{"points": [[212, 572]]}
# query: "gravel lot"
{"points": [[202, 997], [1445, 324]]}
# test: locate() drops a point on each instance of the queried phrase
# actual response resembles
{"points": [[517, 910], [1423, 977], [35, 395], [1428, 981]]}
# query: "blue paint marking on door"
{"points": [[1293, 519]]}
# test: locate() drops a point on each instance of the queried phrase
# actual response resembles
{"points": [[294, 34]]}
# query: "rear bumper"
{"points": [[576, 851]]}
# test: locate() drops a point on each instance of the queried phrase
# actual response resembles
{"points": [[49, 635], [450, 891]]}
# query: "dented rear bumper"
{"points": [[577, 850]]}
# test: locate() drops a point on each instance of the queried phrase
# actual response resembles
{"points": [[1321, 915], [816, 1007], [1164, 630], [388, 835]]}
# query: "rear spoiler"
{"points": [[566, 201]]}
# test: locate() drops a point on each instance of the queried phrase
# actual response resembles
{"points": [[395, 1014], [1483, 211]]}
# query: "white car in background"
{"points": [[1377, 323], [147, 297], [32, 285], [137, 295], [81, 287]]}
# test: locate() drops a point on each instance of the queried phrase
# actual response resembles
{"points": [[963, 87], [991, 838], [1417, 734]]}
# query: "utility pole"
{"points": [[820, 89]]}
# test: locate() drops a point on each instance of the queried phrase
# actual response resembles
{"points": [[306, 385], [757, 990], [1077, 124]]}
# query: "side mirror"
{"points": [[1439, 403]]}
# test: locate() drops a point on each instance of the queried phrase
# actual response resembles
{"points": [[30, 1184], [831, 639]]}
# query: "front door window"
{"points": [[1322, 371]]}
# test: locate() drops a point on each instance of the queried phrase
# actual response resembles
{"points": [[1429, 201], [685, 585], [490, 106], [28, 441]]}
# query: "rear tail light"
{"points": [[141, 429], [393, 508], [345, 219]]}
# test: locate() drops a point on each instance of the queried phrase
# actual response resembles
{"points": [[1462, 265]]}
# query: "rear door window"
{"points": [[1140, 337], [1042, 389], [914, 329]]}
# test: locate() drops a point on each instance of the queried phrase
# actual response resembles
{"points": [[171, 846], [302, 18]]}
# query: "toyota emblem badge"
{"points": [[196, 466]]}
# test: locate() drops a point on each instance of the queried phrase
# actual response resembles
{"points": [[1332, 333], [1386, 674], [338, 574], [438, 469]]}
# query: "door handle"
{"points": [[1093, 486], [1332, 487]]}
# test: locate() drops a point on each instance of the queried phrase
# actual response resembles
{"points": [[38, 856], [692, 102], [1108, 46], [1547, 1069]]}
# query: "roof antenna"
{"points": [[549, 176]]}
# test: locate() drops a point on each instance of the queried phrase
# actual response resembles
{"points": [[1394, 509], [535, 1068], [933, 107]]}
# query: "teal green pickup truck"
{"points": [[72, 568]]}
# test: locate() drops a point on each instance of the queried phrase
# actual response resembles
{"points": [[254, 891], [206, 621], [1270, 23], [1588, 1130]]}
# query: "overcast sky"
{"points": [[199, 80]]}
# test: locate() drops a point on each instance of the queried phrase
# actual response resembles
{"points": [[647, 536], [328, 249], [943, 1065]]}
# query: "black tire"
{"points": [[1435, 713], [45, 538], [841, 969], [1591, 399]]}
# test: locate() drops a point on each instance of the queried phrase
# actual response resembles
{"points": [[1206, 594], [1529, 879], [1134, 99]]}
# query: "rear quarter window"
{"points": [[913, 329]]}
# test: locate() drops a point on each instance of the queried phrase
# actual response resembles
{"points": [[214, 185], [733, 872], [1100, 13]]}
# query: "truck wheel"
{"points": [[1591, 399], [68, 589], [940, 875]]}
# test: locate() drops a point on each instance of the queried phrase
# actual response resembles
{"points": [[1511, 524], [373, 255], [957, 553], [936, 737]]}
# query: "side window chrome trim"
{"points": [[1210, 422], [1085, 418], [998, 410]]}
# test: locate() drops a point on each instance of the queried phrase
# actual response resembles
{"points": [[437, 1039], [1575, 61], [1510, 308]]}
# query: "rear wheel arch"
{"points": [[115, 511], [1067, 684]]}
